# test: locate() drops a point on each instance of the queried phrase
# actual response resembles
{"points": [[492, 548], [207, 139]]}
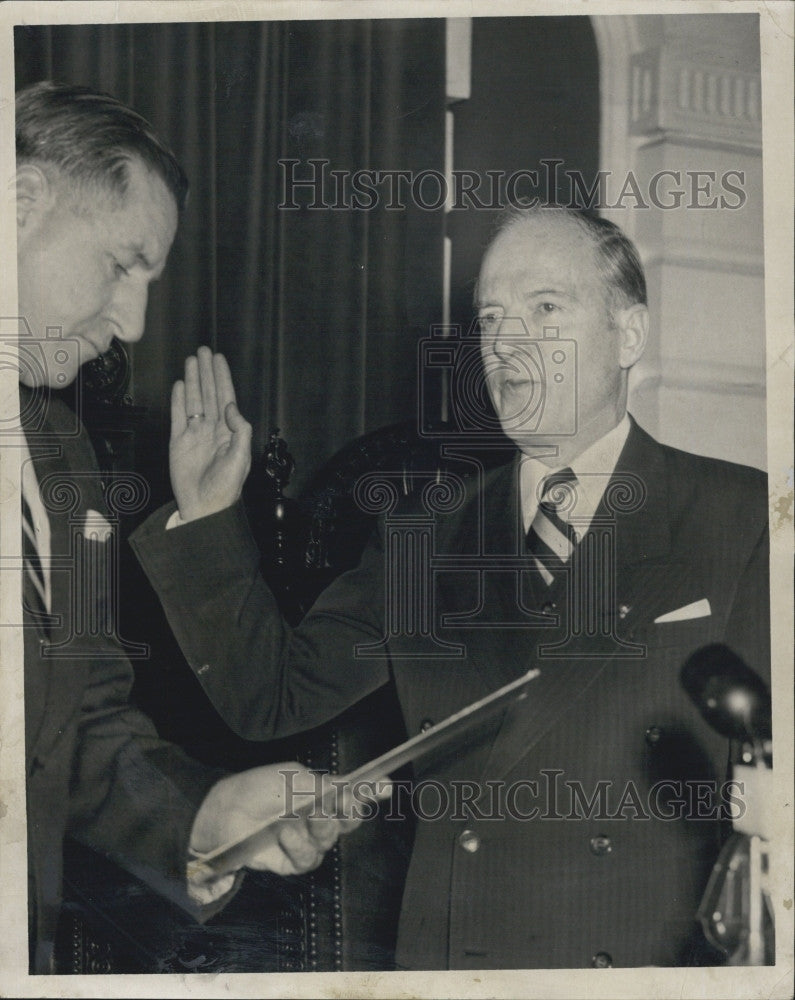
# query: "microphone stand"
{"points": [[736, 912]]}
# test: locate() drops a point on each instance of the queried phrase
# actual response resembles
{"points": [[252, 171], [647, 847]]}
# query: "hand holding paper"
{"points": [[333, 802], [273, 801]]}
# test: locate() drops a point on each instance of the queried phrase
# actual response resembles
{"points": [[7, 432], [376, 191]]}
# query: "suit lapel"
{"points": [[649, 574], [645, 575], [51, 691], [495, 627], [637, 497]]}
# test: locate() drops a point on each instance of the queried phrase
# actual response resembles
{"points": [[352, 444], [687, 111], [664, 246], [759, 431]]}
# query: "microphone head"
{"points": [[731, 697]]}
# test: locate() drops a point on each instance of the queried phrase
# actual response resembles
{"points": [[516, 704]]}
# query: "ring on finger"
{"points": [[195, 416]]}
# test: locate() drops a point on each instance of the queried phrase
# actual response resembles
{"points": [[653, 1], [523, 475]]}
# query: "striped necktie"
{"points": [[551, 539], [31, 557]]}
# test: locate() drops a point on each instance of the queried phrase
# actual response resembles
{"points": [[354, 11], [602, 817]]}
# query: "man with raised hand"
{"points": [[581, 828], [98, 199]]}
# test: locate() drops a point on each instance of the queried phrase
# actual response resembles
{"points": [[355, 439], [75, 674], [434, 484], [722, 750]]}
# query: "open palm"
{"points": [[210, 448]]}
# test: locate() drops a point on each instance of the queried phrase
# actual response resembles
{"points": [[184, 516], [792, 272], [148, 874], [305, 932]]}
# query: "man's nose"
{"points": [[508, 336], [129, 309], [501, 346]]}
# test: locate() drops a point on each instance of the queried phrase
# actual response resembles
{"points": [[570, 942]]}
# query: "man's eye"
{"points": [[548, 307], [487, 320]]}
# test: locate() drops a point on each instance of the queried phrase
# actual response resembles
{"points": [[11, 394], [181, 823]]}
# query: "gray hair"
{"points": [[91, 137]]}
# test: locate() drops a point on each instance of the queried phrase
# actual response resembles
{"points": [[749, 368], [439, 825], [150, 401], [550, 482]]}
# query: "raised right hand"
{"points": [[210, 447]]}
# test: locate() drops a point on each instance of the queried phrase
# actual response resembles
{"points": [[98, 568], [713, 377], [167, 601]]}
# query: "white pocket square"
{"points": [[698, 609], [97, 527]]}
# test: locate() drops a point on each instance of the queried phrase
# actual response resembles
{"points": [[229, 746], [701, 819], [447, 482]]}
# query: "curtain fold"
{"points": [[318, 309]]}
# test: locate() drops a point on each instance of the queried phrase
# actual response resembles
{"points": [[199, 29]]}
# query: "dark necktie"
{"points": [[551, 539]]}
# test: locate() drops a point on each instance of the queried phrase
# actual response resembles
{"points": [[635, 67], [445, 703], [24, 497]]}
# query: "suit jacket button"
{"points": [[602, 960], [653, 735], [425, 725], [469, 841], [600, 845]]}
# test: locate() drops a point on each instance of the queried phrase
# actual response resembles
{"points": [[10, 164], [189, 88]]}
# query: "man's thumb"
{"points": [[235, 421]]}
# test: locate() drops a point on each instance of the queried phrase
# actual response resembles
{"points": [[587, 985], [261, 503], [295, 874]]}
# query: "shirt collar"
{"points": [[593, 469]]}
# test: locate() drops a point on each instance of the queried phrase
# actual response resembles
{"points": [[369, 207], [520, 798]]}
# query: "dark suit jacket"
{"points": [[95, 766], [623, 774]]}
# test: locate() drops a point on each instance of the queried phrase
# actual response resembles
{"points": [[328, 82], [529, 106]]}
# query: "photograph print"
{"points": [[394, 513]]}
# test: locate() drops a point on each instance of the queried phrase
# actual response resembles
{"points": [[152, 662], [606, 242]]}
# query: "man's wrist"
{"points": [[185, 514]]}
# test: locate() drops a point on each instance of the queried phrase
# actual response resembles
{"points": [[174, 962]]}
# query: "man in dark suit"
{"points": [[98, 198], [578, 829]]}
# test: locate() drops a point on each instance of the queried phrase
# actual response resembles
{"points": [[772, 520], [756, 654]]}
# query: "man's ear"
{"points": [[633, 327], [34, 194]]}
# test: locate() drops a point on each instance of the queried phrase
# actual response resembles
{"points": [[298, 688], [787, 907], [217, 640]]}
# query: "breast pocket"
{"points": [[689, 634]]}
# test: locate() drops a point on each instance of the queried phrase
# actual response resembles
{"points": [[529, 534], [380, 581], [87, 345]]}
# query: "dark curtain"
{"points": [[318, 309], [538, 101]]}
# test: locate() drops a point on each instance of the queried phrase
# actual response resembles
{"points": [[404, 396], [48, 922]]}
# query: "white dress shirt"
{"points": [[41, 527]]}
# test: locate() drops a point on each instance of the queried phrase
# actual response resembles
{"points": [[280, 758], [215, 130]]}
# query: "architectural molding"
{"points": [[617, 40], [672, 93]]}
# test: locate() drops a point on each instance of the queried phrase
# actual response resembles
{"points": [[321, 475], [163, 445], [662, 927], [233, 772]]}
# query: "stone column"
{"points": [[695, 115]]}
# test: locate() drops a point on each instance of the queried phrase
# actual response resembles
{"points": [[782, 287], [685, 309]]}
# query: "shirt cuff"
{"points": [[174, 521]]}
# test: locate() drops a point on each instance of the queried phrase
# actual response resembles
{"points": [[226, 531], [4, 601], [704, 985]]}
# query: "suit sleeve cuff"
{"points": [[177, 561]]}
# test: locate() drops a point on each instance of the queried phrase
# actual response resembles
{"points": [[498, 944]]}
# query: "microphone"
{"points": [[731, 697]]}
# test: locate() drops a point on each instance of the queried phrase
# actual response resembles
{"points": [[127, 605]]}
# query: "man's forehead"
{"points": [[541, 250], [145, 220], [536, 236], [143, 187]]}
